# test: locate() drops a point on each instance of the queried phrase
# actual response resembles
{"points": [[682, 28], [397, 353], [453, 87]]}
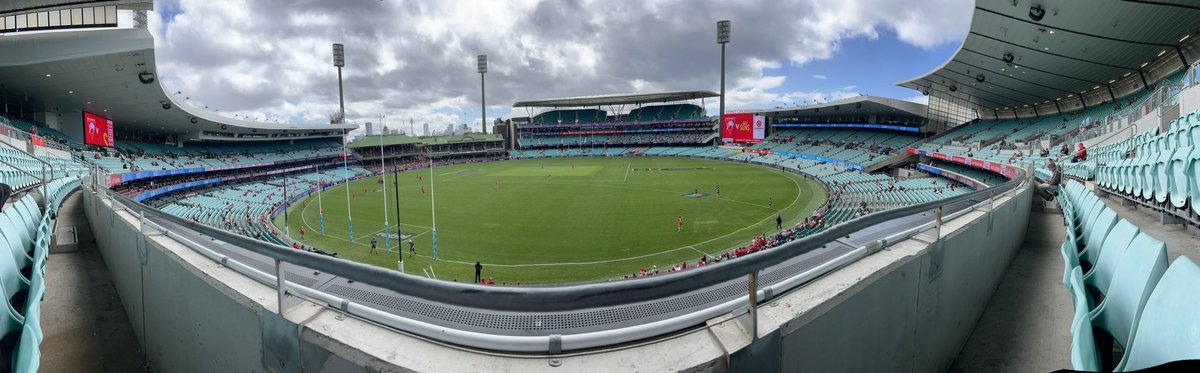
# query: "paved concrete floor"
{"points": [[1026, 326], [85, 326], [1180, 239]]}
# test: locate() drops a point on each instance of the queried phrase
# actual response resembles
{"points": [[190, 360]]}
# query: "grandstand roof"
{"points": [[619, 99], [22, 6], [388, 140], [470, 137], [112, 73], [851, 105], [1101, 52]]}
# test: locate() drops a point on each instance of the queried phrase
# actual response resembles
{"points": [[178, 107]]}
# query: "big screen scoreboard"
{"points": [[97, 130], [743, 128]]}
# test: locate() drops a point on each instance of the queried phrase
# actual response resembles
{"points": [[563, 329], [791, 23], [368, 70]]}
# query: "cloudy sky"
{"points": [[416, 58]]}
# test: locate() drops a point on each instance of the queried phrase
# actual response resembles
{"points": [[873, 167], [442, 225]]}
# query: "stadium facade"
{"points": [[903, 277]]}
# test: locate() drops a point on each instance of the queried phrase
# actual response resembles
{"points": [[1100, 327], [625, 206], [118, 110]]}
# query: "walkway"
{"points": [[85, 326], [1026, 326]]}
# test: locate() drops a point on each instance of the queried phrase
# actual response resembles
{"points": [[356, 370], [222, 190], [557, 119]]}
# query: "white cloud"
{"points": [[416, 58], [920, 99]]}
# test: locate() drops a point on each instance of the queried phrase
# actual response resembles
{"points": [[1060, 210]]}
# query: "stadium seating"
{"points": [[25, 232], [130, 156], [1126, 294], [246, 209], [1156, 170], [860, 147]]}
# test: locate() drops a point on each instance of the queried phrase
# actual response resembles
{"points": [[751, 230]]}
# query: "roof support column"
{"points": [[1014, 109], [1110, 93], [1057, 107], [1145, 84], [1179, 51], [1035, 112]]}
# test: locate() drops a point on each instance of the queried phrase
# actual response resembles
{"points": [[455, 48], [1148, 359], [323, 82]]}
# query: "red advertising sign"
{"points": [[740, 128], [38, 141], [97, 130]]}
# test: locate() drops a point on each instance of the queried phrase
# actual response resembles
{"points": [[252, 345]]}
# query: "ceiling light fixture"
{"points": [[1184, 38], [1145, 63], [47, 75], [1162, 52], [70, 92]]}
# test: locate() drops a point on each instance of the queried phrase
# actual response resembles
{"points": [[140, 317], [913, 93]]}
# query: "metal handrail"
{"points": [[560, 298]]}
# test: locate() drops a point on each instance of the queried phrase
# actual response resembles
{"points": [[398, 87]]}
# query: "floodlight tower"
{"points": [[482, 67], [339, 60], [722, 39]]}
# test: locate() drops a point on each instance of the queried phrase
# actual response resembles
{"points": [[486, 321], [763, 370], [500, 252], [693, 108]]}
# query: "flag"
{"points": [[322, 222]]}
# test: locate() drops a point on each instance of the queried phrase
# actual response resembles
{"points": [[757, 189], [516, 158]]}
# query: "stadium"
{"points": [[1035, 210]]}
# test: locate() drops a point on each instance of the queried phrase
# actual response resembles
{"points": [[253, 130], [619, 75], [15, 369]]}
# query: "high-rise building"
{"points": [[371, 130]]}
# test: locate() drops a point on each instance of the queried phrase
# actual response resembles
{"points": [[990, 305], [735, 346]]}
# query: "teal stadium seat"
{"points": [[1193, 172], [1181, 176], [1162, 175], [1134, 279], [1111, 252], [1169, 327], [1084, 356], [1102, 226]]}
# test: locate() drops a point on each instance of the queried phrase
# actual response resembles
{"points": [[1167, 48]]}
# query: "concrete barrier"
{"points": [[910, 307]]}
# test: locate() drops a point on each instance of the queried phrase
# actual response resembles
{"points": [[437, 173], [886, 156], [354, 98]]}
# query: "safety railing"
{"points": [[559, 298]]}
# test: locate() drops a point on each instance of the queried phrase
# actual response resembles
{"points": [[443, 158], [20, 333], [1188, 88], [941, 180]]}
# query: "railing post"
{"points": [[279, 284], [753, 287], [937, 223]]}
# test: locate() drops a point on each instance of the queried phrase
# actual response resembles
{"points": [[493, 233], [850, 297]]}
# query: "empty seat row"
{"points": [[1121, 287]]}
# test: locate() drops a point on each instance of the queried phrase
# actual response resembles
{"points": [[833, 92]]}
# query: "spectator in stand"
{"points": [[1049, 188], [1080, 154]]}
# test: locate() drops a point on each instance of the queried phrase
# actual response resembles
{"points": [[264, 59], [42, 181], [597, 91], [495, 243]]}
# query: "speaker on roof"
{"points": [[858, 105], [146, 78], [1036, 13], [223, 126], [980, 78], [194, 121], [835, 108], [925, 92], [953, 88], [1008, 58], [166, 105]]}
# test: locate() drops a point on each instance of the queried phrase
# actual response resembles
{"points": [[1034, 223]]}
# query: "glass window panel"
{"points": [[44, 19], [64, 17], [54, 18], [110, 14], [76, 16], [10, 22], [99, 14], [3, 23], [21, 21], [89, 16]]}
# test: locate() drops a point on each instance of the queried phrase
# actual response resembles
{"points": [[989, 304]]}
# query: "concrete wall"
{"points": [[910, 307], [186, 319]]}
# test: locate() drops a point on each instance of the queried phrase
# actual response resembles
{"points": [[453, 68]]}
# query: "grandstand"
{"points": [[929, 235], [655, 119]]}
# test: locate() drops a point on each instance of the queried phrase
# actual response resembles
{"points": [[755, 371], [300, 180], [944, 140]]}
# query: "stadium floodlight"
{"points": [[722, 39], [481, 64], [339, 60]]}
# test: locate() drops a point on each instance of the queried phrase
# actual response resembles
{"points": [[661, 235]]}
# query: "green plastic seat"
{"points": [[1162, 175], [1111, 252], [1134, 279], [1084, 356], [1180, 174], [28, 355], [1102, 226], [1193, 171], [1168, 327], [1147, 178]]}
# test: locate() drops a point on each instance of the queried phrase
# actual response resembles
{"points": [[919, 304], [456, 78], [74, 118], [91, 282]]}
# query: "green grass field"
{"points": [[564, 220]]}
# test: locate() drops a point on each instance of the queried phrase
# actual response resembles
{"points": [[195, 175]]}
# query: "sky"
{"points": [[271, 60]]}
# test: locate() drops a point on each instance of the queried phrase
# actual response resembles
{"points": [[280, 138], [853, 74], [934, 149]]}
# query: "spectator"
{"points": [[1080, 154], [1049, 188]]}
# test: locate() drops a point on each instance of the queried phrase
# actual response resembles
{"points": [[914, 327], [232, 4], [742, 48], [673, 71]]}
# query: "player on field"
{"points": [[373, 242], [679, 224], [718, 190]]}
